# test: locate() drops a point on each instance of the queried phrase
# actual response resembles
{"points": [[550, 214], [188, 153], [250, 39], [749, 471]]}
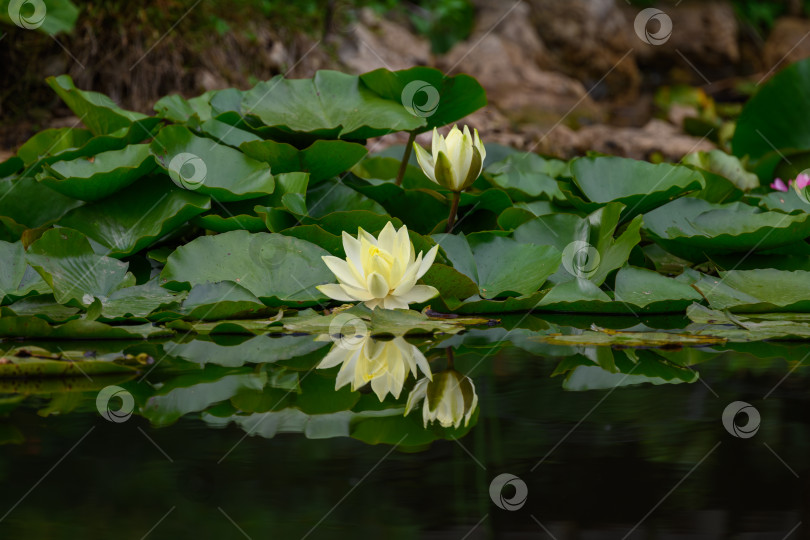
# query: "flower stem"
{"points": [[453, 209], [450, 357], [405, 157]]}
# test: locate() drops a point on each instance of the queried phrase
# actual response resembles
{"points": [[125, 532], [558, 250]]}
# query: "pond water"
{"points": [[247, 437]]}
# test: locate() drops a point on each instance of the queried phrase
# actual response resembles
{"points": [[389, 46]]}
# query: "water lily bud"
{"points": [[449, 398], [456, 161], [381, 272]]}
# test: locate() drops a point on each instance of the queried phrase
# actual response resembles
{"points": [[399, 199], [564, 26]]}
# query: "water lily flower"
{"points": [[385, 364], [382, 271], [454, 162], [802, 181], [449, 398], [779, 185]]}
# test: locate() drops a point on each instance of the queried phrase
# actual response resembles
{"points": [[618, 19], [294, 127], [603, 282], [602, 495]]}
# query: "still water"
{"points": [[247, 437]]}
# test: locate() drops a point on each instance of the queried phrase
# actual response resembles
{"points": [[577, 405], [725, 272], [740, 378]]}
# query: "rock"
{"points": [[657, 137], [377, 43], [704, 39], [588, 40], [788, 42], [503, 53]]}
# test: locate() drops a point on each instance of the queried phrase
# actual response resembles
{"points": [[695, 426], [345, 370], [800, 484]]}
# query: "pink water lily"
{"points": [[800, 182], [779, 185]]}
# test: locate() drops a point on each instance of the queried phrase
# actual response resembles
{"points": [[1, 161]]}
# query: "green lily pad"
{"points": [[278, 269], [94, 178], [428, 93], [17, 278], [760, 290], [639, 185], [527, 176], [322, 159], [334, 196], [500, 266], [134, 218], [400, 202], [589, 248], [180, 110], [223, 300], [29, 203], [43, 306], [79, 329], [331, 105], [637, 291], [729, 167], [767, 128], [56, 16], [693, 228], [98, 112], [67, 263], [200, 164]]}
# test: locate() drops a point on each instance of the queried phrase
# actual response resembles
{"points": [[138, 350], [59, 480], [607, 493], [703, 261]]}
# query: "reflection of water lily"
{"points": [[383, 363], [449, 398], [381, 272]]}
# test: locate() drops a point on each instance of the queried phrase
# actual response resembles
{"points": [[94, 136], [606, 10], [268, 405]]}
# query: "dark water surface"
{"points": [[245, 439]]}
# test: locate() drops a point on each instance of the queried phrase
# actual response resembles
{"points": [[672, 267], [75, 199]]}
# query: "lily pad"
{"points": [[17, 278], [527, 176], [500, 266], [639, 185], [98, 112], [136, 217], [767, 128], [94, 178], [693, 228], [331, 105], [29, 203], [761, 290], [278, 269], [322, 159], [428, 93], [200, 164], [589, 248], [67, 263]]}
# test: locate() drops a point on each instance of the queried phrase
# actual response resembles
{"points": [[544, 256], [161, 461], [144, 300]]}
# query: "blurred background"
{"points": [[563, 77]]}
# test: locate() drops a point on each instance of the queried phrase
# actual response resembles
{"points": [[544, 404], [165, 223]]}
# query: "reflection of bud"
{"points": [[383, 363], [449, 398]]}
